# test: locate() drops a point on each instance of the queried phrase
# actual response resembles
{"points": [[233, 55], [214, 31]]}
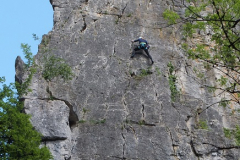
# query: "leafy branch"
{"points": [[219, 20]]}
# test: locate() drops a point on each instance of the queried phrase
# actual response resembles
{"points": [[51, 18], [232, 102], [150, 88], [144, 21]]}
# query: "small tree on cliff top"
{"points": [[220, 20]]}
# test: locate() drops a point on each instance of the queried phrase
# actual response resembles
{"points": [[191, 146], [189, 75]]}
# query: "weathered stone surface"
{"points": [[108, 110], [52, 121], [19, 68], [52, 118]]}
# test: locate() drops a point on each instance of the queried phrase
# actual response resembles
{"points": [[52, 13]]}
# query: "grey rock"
{"points": [[52, 118], [52, 121], [19, 68], [108, 110]]}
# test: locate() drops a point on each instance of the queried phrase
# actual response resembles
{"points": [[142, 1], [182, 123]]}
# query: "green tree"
{"points": [[28, 54], [18, 139], [218, 20]]}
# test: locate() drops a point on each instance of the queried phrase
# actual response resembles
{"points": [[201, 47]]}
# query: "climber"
{"points": [[143, 44]]}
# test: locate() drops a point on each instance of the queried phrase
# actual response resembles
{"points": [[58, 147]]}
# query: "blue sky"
{"points": [[19, 20]]}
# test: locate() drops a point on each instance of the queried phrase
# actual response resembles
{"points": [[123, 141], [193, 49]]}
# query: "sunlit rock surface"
{"points": [[110, 110]]}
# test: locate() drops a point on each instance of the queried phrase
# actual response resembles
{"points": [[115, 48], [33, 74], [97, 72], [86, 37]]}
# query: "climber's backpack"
{"points": [[142, 45]]}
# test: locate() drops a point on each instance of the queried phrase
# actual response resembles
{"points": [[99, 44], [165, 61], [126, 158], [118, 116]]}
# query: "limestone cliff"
{"points": [[110, 110]]}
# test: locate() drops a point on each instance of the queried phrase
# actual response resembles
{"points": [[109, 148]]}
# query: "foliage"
{"points": [[158, 71], [129, 15], [222, 81], [101, 121], [85, 110], [35, 37], [23, 88], [171, 16], [227, 133], [18, 139], [172, 79], [224, 102], [117, 20], [30, 66], [27, 54], [198, 73], [55, 67], [237, 135], [202, 124], [233, 134], [143, 73], [82, 121], [219, 21], [142, 122], [44, 45]]}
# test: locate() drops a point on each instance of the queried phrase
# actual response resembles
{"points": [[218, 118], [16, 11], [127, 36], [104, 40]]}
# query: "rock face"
{"points": [[121, 108], [19, 67]]}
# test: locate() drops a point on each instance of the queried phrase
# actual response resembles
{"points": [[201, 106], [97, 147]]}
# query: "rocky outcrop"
{"points": [[120, 108], [19, 67]]}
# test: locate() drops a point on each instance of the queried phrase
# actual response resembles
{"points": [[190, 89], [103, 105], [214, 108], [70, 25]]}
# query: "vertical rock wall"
{"points": [[110, 110]]}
